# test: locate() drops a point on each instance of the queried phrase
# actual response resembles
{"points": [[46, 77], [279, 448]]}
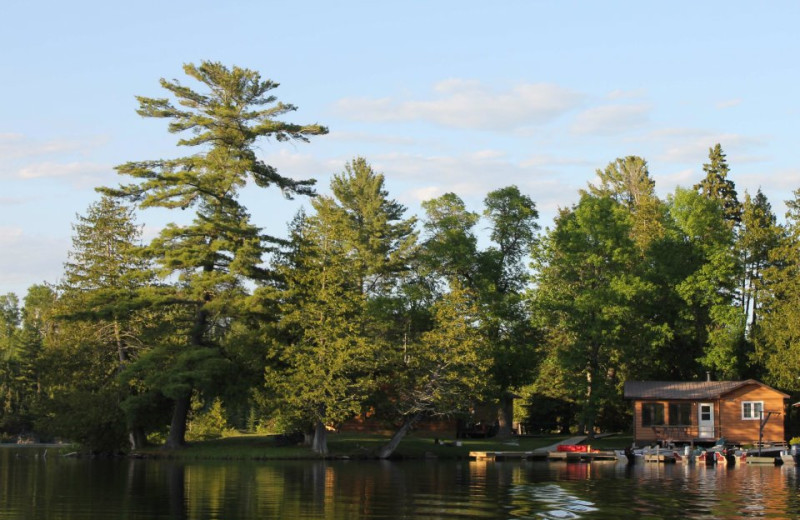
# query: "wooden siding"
{"points": [[665, 432], [728, 422], [739, 431]]}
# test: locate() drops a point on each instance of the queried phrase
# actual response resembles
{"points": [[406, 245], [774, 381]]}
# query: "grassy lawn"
{"points": [[361, 445]]}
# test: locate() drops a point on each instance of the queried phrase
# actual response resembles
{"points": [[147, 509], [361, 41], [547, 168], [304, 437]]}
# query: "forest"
{"points": [[364, 310]]}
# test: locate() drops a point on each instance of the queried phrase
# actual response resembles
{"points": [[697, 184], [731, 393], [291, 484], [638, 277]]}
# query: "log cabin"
{"points": [[740, 412]]}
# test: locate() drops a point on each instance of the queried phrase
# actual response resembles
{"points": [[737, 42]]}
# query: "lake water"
{"points": [[53, 488]]}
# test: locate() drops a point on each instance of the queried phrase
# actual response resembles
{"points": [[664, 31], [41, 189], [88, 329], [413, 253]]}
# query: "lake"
{"points": [[35, 486]]}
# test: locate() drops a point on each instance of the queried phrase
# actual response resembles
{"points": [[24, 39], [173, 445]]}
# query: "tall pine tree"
{"points": [[214, 256]]}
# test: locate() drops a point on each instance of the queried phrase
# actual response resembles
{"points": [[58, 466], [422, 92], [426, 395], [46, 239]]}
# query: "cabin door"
{"points": [[705, 420]]}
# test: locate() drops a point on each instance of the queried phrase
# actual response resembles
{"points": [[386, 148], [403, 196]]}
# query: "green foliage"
{"points": [[589, 296], [778, 333], [717, 186], [207, 422], [91, 418], [340, 275], [215, 256]]}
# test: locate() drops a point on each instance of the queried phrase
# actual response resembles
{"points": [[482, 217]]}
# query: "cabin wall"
{"points": [[728, 422], [649, 434], [739, 431]]}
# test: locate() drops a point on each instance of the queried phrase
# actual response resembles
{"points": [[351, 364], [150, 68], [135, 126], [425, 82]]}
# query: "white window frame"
{"points": [[754, 415]]}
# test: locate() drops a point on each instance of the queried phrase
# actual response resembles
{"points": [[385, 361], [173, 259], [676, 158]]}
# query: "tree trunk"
{"points": [[137, 438], [386, 451], [320, 444], [505, 416], [177, 428]]}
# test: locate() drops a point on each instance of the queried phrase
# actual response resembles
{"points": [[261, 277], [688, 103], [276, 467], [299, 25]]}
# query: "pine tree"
{"points": [[716, 185], [344, 265], [220, 250], [759, 234], [107, 281]]}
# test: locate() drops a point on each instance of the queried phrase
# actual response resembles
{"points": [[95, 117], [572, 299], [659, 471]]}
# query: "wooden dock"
{"points": [[754, 459], [508, 455], [567, 456]]}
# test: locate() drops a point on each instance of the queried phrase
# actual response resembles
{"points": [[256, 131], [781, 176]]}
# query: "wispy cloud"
{"points": [[55, 169], [692, 146], [611, 119], [461, 103], [19, 146], [13, 201], [627, 94], [416, 178], [729, 103]]}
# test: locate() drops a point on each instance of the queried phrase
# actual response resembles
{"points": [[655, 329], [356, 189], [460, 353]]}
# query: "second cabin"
{"points": [[741, 412]]}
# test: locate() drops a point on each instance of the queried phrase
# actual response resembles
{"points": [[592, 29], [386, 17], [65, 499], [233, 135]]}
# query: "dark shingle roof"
{"points": [[684, 389]]}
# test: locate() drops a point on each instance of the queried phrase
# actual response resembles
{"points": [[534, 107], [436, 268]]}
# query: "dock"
{"points": [[540, 454], [508, 455], [751, 459], [567, 450]]}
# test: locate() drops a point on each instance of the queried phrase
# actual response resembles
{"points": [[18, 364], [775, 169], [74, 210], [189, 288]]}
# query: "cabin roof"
{"points": [[689, 390]]}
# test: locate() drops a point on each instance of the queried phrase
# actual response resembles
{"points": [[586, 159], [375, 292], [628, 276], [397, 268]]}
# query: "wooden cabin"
{"points": [[705, 411]]}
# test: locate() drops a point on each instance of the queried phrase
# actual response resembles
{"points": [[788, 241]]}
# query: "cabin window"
{"points": [[680, 414], [652, 414], [751, 410]]}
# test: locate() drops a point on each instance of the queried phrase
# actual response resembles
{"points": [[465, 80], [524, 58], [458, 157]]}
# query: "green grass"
{"points": [[361, 445]]}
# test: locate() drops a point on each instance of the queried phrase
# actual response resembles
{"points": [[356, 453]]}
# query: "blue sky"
{"points": [[439, 96]]}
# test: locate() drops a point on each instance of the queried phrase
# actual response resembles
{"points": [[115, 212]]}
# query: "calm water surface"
{"points": [[37, 487]]}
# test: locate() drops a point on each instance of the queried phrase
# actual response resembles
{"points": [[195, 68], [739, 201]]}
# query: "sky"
{"points": [[439, 96]]}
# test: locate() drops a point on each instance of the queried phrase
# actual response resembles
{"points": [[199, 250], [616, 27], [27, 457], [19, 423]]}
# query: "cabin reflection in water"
{"points": [[61, 489]]}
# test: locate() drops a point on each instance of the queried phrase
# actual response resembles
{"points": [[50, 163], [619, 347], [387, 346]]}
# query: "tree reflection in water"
{"points": [[61, 489]]}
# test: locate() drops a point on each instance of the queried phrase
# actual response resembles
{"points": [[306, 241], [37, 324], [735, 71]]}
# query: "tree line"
{"points": [[365, 311]]}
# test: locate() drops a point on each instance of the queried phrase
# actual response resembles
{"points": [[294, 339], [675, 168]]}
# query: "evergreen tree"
{"points": [[709, 288], [717, 185], [106, 286], [341, 273], [777, 334], [627, 180], [10, 354], [759, 234], [220, 250]]}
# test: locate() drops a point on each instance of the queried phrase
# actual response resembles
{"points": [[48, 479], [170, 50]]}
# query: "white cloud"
{"points": [[627, 94], [666, 183], [365, 137], [692, 146], [729, 103], [611, 119], [9, 235], [471, 104], [416, 178], [12, 201], [423, 194], [55, 169], [19, 146]]}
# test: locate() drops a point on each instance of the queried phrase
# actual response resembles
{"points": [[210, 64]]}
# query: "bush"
{"points": [[207, 422], [92, 419]]}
